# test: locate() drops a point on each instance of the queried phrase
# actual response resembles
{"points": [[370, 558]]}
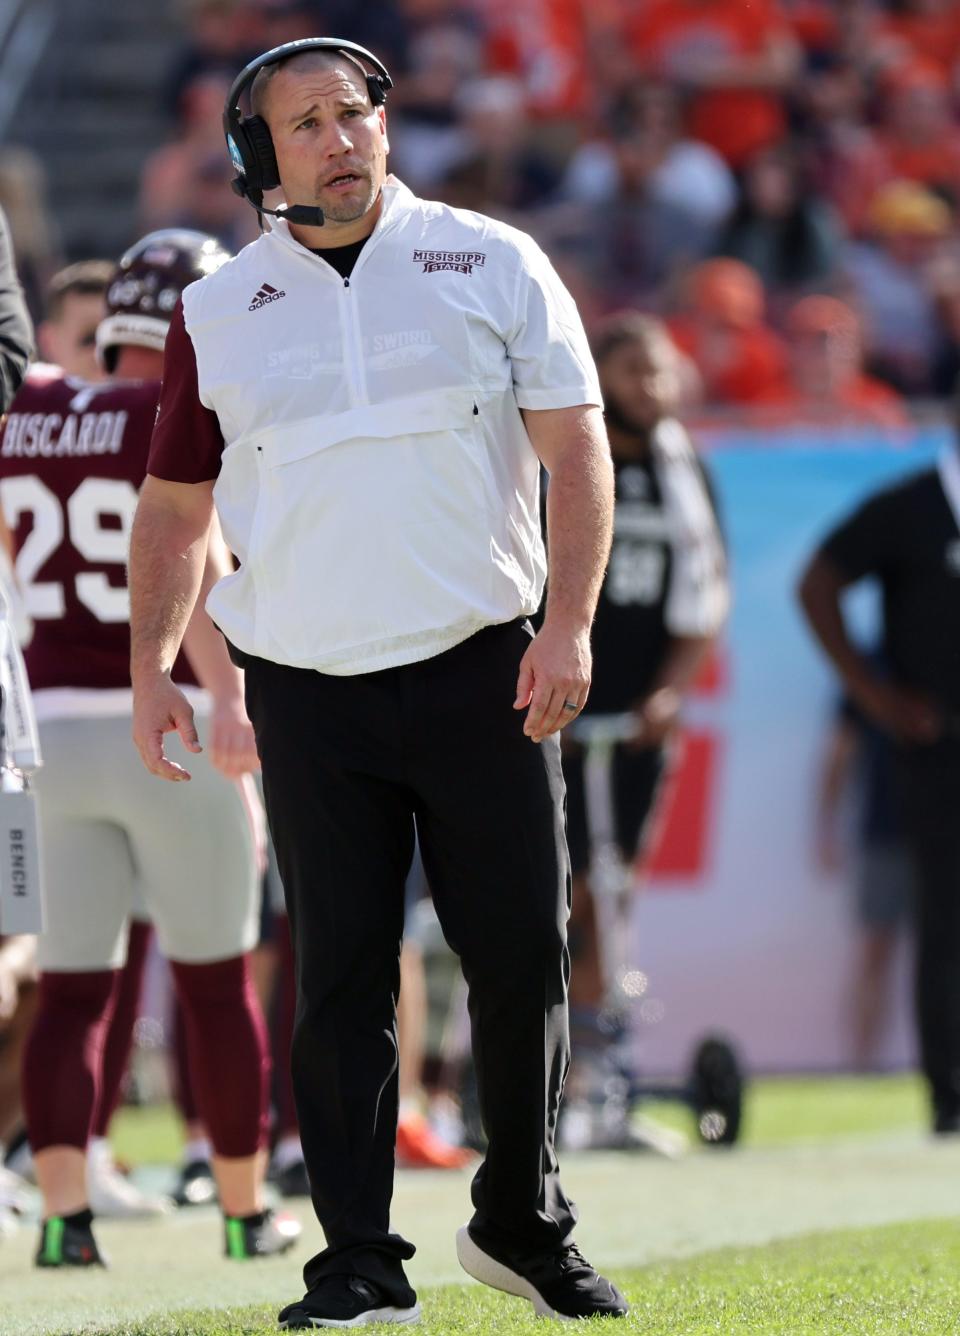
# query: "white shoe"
{"points": [[14, 1192], [111, 1195], [21, 1163]]}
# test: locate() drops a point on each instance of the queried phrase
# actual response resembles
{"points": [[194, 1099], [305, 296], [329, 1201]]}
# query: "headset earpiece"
{"points": [[377, 88], [261, 145]]}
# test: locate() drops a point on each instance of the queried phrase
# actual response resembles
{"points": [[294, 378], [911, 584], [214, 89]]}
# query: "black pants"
{"points": [[348, 763], [930, 785]]}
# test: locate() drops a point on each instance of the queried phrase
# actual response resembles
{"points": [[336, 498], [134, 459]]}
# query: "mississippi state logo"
{"points": [[460, 262]]}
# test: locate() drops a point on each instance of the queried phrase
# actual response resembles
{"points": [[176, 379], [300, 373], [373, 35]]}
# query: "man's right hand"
{"points": [[906, 715], [159, 707]]}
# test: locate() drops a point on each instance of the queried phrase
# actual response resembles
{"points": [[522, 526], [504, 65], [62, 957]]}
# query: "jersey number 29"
{"points": [[82, 526]]}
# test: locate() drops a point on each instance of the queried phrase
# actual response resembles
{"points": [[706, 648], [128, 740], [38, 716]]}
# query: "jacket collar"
{"points": [[398, 202]]}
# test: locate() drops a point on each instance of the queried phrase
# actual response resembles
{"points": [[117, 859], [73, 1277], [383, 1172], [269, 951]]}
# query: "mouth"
{"points": [[343, 181]]}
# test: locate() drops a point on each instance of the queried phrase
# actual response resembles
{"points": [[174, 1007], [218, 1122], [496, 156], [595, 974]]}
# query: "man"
{"points": [[71, 459], [67, 337], [859, 760], [825, 381], [75, 306], [907, 537], [16, 331], [663, 603], [372, 398]]}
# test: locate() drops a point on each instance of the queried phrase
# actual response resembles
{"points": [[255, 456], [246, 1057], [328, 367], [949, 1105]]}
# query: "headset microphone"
{"points": [[305, 215]]}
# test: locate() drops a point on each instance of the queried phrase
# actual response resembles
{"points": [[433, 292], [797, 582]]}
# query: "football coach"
{"points": [[366, 394]]}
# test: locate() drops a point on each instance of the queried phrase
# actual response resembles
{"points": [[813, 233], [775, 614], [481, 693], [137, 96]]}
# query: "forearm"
{"points": [[204, 645], [579, 525], [819, 594], [682, 662], [167, 553]]}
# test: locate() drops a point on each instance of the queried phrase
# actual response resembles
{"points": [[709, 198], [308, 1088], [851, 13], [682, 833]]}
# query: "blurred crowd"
{"points": [[778, 179]]}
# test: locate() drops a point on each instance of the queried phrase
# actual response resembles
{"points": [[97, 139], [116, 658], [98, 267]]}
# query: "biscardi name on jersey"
{"points": [[53, 435]]}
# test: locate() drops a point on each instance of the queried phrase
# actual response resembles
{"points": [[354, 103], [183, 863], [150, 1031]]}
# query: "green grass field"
{"points": [[838, 1214]]}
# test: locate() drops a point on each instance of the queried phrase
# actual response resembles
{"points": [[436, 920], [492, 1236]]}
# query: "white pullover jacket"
{"points": [[378, 485]]}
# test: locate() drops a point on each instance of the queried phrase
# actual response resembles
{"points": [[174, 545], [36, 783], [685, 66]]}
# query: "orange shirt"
{"points": [[740, 367], [544, 44], [667, 35]]}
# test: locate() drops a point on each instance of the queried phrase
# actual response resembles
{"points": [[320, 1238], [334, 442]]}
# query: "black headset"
{"points": [[249, 141]]}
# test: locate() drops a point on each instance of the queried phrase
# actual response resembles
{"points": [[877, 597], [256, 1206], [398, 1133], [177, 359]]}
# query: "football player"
{"points": [[72, 458], [663, 602], [67, 337]]}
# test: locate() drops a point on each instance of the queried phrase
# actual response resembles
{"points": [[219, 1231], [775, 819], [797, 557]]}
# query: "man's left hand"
{"points": [[554, 673], [657, 718]]}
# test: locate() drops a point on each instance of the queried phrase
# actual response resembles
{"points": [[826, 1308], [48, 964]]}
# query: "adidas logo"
{"points": [[265, 295]]}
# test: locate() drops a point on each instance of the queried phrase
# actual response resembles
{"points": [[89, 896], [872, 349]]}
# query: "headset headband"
{"points": [[277, 53]]}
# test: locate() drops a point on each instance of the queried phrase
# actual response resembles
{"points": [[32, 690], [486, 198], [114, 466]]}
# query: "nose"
{"points": [[337, 141]]}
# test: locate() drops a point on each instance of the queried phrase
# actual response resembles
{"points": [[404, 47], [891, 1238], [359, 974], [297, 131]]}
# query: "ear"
{"points": [[382, 119]]}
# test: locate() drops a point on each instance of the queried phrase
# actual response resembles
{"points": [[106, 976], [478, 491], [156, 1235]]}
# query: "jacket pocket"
{"points": [[373, 527]]}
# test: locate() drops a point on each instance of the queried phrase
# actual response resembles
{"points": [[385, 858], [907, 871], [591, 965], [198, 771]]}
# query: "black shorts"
{"points": [[635, 787]]}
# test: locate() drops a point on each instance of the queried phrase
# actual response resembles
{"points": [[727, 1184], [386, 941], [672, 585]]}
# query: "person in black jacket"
{"points": [[907, 539], [16, 331]]}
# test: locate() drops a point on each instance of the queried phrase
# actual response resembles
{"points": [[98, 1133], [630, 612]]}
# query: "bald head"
{"points": [[346, 72]]}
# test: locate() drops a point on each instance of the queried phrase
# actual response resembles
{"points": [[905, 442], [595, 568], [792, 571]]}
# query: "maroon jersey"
{"points": [[72, 459]]}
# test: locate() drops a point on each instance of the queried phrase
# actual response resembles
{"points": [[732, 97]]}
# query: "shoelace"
{"points": [[571, 1259]]}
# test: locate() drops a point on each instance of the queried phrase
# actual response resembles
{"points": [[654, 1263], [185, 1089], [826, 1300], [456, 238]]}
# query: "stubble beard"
{"points": [[350, 211]]}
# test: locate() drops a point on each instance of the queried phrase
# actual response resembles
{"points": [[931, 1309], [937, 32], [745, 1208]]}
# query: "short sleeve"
{"points": [[864, 544], [547, 345], [187, 442]]}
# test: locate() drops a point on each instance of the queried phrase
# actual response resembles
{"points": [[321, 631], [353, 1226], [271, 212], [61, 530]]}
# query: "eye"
{"points": [[307, 124], [353, 111]]}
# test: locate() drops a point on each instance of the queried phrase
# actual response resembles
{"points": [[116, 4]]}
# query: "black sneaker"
{"points": [[291, 1181], [561, 1284], [196, 1185], [68, 1241], [345, 1301], [261, 1235], [946, 1120]]}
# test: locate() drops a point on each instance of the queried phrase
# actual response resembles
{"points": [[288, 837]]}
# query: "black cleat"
{"points": [[346, 1301], [291, 1181], [68, 1242], [262, 1235], [560, 1284], [196, 1185]]}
